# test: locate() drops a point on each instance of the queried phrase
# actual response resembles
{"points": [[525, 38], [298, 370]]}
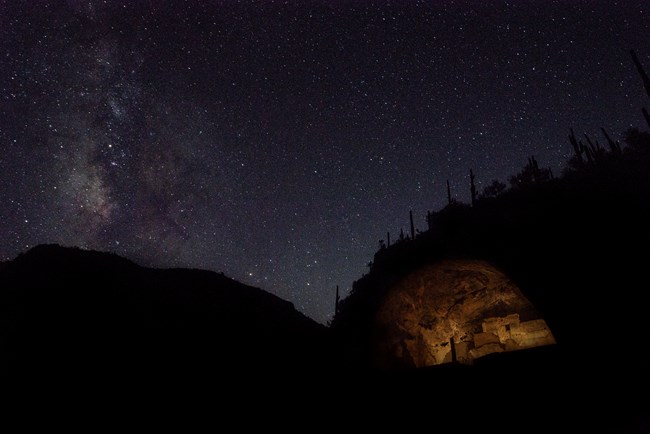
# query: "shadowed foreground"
{"points": [[576, 247], [102, 328]]}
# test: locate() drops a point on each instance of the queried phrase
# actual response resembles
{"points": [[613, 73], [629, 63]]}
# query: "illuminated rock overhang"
{"points": [[455, 310]]}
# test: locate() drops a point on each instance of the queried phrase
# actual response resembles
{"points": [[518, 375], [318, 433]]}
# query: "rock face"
{"points": [[468, 305]]}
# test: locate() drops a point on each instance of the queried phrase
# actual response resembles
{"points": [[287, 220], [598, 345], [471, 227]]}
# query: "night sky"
{"points": [[278, 142]]}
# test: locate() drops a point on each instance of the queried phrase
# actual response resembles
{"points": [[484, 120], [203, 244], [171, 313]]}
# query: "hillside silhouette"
{"points": [[71, 316], [577, 245]]}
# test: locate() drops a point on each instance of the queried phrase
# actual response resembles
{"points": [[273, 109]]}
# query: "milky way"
{"points": [[278, 142]]}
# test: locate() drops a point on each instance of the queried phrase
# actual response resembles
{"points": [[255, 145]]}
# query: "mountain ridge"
{"points": [[73, 313]]}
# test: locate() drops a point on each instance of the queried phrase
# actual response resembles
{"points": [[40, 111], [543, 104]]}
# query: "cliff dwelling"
{"points": [[454, 310]]}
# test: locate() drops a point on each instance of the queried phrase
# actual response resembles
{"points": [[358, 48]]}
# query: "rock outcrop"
{"points": [[468, 305]]}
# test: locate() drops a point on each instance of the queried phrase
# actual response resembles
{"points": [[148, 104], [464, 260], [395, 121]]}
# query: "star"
{"points": [[287, 138]]}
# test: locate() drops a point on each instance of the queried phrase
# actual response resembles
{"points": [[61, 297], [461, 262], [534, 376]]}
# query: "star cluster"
{"points": [[278, 141]]}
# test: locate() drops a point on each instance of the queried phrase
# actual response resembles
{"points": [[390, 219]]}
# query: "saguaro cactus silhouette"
{"points": [[472, 187], [336, 303], [578, 147], [614, 147], [642, 73], [646, 83]]}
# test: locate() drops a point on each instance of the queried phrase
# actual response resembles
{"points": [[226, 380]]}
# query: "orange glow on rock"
{"points": [[467, 300]]}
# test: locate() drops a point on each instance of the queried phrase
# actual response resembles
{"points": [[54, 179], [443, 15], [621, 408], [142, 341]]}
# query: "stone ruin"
{"points": [[467, 305]]}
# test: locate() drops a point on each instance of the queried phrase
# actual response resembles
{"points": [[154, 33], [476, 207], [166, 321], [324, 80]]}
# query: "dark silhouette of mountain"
{"points": [[578, 248], [73, 316]]}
